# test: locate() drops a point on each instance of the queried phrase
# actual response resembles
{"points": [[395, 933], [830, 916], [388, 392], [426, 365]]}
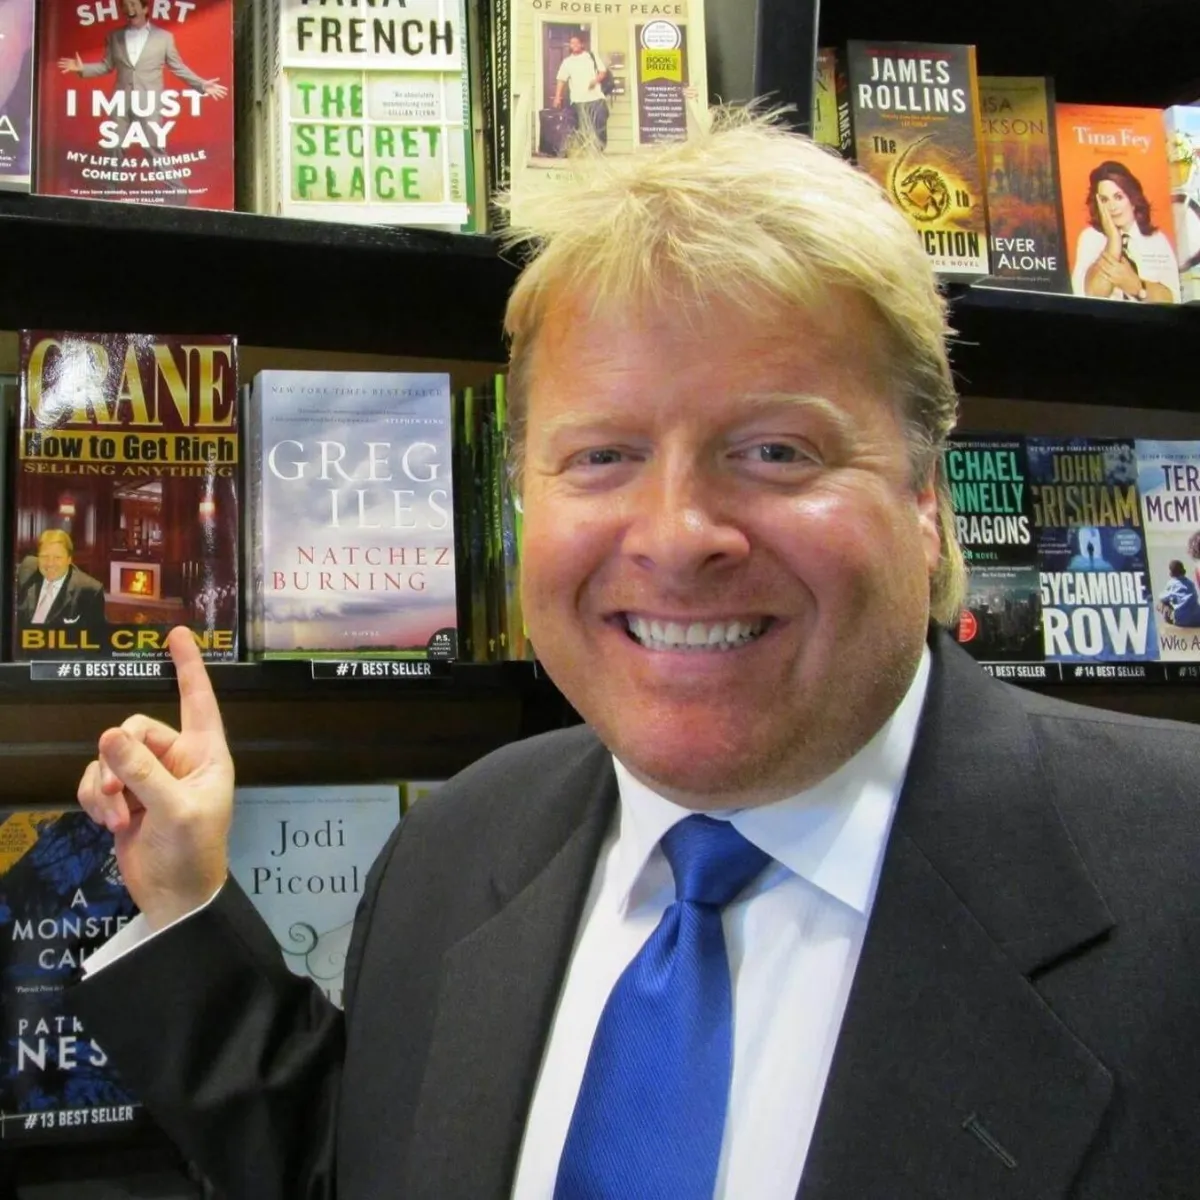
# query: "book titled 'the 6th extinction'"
{"points": [[125, 501]]}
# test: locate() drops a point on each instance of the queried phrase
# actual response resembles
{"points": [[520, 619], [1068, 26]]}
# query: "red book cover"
{"points": [[134, 101], [125, 501]]}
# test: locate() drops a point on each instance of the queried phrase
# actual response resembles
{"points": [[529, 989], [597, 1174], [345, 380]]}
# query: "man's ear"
{"points": [[930, 519]]}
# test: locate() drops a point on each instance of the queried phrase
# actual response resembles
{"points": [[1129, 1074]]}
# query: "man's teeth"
{"points": [[673, 635]]}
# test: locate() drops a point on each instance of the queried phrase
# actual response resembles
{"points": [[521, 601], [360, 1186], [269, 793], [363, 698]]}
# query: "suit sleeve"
{"points": [[236, 1058], [180, 68], [93, 69]]}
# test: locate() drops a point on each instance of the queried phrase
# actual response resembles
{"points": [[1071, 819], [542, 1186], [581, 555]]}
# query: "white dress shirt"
{"points": [[793, 939], [135, 42]]}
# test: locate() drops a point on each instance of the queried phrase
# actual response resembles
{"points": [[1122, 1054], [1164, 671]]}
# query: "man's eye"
{"points": [[600, 458], [776, 452]]}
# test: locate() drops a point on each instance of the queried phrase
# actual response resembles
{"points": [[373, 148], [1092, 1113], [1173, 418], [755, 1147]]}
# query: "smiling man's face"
{"points": [[725, 564]]}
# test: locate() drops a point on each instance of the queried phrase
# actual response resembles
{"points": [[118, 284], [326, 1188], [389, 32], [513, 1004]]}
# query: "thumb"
{"points": [[137, 767]]}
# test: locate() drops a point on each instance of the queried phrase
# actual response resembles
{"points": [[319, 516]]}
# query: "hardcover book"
{"points": [[16, 94], [1096, 600], [301, 854], [621, 75], [993, 518], [368, 113], [1169, 484], [134, 101], [1183, 164], [125, 511], [1024, 213], [912, 121], [1116, 198], [351, 523], [61, 897]]}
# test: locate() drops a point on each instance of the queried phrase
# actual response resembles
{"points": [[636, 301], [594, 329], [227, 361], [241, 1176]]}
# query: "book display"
{"points": [[290, 436]]}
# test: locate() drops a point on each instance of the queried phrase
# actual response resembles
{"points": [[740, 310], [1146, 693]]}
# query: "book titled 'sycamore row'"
{"points": [[125, 501], [1079, 551], [61, 897], [135, 101], [350, 529], [909, 116]]}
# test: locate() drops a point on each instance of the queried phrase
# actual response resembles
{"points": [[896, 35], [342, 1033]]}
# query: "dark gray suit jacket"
{"points": [[1025, 1020]]}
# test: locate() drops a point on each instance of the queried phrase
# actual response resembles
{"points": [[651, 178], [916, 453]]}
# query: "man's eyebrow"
{"points": [[832, 414]]}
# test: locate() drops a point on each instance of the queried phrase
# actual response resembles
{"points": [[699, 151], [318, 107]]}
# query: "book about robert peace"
{"points": [[125, 512], [134, 101], [350, 542], [61, 897]]}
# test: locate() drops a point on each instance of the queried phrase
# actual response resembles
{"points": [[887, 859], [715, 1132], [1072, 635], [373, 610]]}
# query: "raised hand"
{"points": [[167, 795]]}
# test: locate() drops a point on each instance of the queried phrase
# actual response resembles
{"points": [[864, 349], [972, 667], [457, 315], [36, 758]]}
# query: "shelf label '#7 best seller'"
{"points": [[378, 668]]}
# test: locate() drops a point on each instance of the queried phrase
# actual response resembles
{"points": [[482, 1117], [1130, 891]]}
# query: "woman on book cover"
{"points": [[1121, 254]]}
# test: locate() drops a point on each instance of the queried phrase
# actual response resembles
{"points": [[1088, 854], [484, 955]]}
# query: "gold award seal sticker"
{"points": [[662, 51]]}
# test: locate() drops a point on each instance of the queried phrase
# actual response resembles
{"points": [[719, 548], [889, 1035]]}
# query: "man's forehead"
{"points": [[582, 331]]}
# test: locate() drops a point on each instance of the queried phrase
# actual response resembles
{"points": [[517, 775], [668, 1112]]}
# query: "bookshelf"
{"points": [[302, 293]]}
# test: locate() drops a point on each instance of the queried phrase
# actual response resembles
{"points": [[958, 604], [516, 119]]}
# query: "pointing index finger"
{"points": [[198, 709]]}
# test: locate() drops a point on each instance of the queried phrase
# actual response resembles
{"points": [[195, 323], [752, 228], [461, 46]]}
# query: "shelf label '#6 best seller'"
{"points": [[77, 671]]}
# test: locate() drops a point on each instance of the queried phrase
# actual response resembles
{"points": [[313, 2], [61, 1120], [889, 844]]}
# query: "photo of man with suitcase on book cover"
{"points": [[582, 85]]}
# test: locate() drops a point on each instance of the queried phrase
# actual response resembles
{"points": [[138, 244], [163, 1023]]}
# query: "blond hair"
{"points": [[50, 537], [743, 211]]}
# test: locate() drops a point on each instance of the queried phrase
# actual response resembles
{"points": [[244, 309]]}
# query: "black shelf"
{"points": [[287, 679], [272, 281], [1038, 346], [1105, 52]]}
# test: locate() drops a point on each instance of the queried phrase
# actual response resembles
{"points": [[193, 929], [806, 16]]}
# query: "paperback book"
{"points": [[1169, 485], [301, 854], [16, 94], [620, 76], [125, 501], [1116, 200], [351, 524], [993, 517], [911, 119], [61, 897], [135, 101], [1096, 599]]}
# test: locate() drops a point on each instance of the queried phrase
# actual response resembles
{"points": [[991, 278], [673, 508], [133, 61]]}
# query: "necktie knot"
{"points": [[710, 860]]}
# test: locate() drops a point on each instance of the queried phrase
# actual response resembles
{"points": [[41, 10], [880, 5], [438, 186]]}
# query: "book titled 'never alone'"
{"points": [[125, 513]]}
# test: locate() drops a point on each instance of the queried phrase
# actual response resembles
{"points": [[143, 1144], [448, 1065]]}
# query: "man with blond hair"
{"points": [[810, 906], [53, 591]]}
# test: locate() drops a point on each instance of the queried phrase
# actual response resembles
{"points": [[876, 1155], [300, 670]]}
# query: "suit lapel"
{"points": [[951, 1077], [499, 989]]}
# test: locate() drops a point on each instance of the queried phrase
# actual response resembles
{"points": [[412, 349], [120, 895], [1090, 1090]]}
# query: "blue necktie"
{"points": [[650, 1115]]}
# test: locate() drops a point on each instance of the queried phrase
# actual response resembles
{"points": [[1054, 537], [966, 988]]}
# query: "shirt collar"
{"points": [[832, 834]]}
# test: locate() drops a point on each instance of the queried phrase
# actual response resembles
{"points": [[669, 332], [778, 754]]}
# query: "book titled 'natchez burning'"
{"points": [[350, 529]]}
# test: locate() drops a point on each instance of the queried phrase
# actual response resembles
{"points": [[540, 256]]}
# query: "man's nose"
{"points": [[684, 522]]}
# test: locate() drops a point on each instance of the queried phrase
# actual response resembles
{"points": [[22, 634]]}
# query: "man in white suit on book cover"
{"points": [[139, 52]]}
